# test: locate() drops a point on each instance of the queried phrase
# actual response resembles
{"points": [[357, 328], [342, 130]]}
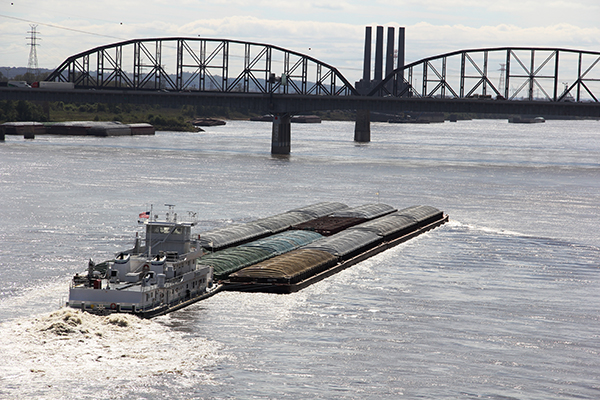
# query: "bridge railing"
{"points": [[198, 64], [542, 74]]}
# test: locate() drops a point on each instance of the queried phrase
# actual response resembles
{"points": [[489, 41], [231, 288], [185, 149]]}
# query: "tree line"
{"points": [[162, 118]]}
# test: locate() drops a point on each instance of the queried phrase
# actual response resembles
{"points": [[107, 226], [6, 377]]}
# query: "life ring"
{"points": [[113, 306], [146, 267]]}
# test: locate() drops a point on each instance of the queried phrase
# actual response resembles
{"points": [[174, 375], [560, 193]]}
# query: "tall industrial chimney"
{"points": [[379, 54], [401, 47], [367, 59], [389, 57]]}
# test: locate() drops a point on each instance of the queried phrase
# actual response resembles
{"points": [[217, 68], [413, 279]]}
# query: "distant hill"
{"points": [[16, 71], [11, 72]]}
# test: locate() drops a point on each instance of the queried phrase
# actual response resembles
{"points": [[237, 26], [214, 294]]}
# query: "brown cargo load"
{"points": [[289, 268], [328, 226]]}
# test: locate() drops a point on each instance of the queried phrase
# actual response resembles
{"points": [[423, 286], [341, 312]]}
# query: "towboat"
{"points": [[149, 280], [283, 253]]}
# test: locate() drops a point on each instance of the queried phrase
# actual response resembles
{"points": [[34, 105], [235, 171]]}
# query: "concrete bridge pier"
{"points": [[281, 136], [362, 127], [29, 133]]}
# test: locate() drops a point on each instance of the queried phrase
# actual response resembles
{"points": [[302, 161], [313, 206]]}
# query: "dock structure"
{"points": [[74, 128], [26, 129]]}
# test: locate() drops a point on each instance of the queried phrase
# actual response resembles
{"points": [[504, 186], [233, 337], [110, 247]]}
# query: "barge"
{"points": [[298, 269], [526, 120], [283, 253]]}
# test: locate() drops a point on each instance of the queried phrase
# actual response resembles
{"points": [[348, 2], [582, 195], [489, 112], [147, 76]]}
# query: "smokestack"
{"points": [[367, 60], [389, 59], [400, 47], [379, 54]]}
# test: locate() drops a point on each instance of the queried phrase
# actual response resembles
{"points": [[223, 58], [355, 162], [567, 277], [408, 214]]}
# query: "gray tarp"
{"points": [[345, 242], [367, 211]]}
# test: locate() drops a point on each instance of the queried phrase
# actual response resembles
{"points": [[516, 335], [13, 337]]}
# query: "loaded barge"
{"points": [[283, 253], [298, 269]]}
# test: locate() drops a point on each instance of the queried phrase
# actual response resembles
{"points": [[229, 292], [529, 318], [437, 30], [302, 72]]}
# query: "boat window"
{"points": [[161, 229]]}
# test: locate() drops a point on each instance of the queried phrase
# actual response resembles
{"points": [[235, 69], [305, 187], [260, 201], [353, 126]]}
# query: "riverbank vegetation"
{"points": [[162, 118]]}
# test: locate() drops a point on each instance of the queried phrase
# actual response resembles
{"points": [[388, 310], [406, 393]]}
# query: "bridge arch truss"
{"points": [[201, 64], [510, 73]]}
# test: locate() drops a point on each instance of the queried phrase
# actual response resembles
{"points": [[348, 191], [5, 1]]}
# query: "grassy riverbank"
{"points": [[162, 118]]}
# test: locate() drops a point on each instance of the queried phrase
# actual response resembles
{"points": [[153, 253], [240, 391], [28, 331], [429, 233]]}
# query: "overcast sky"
{"points": [[332, 30]]}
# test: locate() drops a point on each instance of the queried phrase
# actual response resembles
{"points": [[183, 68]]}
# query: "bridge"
{"points": [[269, 79]]}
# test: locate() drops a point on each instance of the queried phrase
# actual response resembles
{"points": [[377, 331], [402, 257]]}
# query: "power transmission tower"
{"points": [[501, 85], [32, 64]]}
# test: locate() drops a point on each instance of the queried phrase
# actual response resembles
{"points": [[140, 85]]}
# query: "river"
{"points": [[500, 303]]}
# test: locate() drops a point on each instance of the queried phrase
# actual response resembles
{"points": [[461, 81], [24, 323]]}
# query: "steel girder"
{"points": [[511, 73], [198, 64]]}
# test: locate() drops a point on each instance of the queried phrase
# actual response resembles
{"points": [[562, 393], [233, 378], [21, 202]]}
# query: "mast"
{"points": [[149, 232], [171, 213]]}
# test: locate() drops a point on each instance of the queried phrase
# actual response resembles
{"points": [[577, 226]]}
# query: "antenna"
{"points": [[170, 213], [32, 64]]}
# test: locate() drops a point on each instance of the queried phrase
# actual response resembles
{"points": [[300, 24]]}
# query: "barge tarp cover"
{"points": [[388, 225], [231, 235], [321, 209], [281, 222], [288, 268], [422, 214], [230, 260], [285, 241], [345, 243], [241, 233], [366, 211]]}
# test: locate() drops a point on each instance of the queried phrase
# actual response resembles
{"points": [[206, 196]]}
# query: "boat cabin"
{"points": [[170, 238]]}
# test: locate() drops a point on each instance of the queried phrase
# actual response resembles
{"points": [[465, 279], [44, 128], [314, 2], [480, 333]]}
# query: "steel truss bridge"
{"points": [[269, 79], [508, 73], [230, 66], [264, 78], [190, 64]]}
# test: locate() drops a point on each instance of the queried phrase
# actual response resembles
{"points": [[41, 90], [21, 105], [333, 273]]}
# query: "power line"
{"points": [[61, 27]]}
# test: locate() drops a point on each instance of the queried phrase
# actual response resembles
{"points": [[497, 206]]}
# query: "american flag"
{"points": [[145, 214]]}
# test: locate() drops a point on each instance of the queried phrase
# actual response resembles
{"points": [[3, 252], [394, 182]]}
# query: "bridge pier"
{"points": [[362, 127], [281, 134], [29, 133]]}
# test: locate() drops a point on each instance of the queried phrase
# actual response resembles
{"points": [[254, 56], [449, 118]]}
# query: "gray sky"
{"points": [[332, 30]]}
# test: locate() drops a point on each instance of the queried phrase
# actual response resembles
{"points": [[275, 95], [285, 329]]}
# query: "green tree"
{"points": [[27, 111]]}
